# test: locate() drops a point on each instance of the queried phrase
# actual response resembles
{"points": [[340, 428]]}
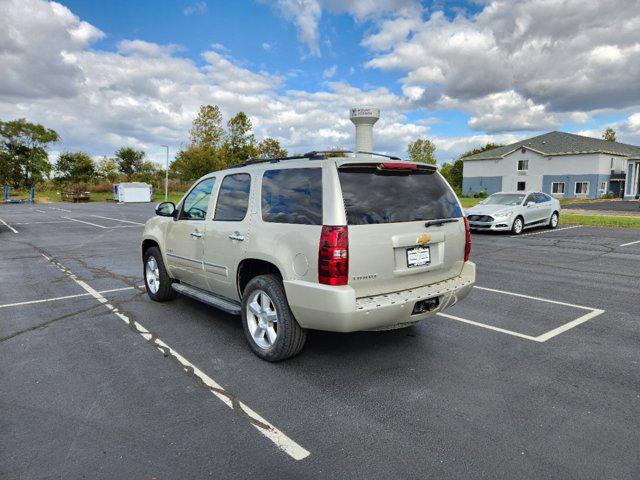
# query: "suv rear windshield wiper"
{"points": [[431, 223]]}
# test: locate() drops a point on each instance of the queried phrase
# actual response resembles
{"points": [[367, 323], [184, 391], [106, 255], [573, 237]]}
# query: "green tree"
{"points": [[129, 160], [108, 169], [270, 148], [24, 160], [148, 172], [609, 134], [453, 171], [207, 130], [422, 151], [194, 162], [240, 142], [76, 167]]}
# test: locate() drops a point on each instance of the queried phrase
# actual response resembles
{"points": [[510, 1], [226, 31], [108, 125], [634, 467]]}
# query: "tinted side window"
{"points": [[292, 196], [196, 204], [233, 199], [530, 198]]}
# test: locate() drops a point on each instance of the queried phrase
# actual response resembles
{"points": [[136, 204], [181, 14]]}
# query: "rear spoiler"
{"points": [[389, 166]]}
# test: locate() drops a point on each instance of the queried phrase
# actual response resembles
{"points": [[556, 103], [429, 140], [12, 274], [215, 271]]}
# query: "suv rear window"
{"points": [[292, 196], [372, 195]]}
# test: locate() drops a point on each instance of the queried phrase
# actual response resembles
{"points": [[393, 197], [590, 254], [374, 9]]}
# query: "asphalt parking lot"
{"points": [[535, 375]]}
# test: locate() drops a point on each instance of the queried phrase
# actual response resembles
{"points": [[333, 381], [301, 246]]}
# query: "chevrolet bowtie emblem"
{"points": [[423, 239]]}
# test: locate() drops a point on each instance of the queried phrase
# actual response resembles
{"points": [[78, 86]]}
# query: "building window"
{"points": [[603, 188], [522, 186], [557, 188], [582, 188], [523, 165]]}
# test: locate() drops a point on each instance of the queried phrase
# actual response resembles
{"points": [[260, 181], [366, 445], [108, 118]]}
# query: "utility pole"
{"points": [[166, 176]]}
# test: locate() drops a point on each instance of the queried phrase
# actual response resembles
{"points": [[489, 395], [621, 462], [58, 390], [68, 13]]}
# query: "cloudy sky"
{"points": [[134, 72]]}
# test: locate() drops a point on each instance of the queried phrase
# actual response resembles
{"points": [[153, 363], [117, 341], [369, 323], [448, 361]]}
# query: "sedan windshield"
{"points": [[504, 199]]}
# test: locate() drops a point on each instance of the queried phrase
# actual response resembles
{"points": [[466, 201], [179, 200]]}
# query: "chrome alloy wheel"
{"points": [[554, 220], [517, 226], [262, 319], [152, 273]]}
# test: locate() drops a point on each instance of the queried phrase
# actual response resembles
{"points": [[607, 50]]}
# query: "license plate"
{"points": [[418, 256]]}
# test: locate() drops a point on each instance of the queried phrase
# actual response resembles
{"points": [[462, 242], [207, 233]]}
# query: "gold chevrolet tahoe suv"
{"points": [[366, 242]]}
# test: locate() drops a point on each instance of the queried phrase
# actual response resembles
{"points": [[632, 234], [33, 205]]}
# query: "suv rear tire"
{"points": [[156, 278], [269, 326]]}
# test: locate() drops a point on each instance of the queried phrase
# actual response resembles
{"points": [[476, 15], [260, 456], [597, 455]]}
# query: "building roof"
{"points": [[561, 143]]}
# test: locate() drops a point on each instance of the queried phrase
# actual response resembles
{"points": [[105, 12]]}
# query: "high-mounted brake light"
{"points": [[333, 255], [467, 240], [406, 166]]}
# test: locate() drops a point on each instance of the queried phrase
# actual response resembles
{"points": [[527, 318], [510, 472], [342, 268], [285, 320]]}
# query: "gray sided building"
{"points": [[561, 164]]}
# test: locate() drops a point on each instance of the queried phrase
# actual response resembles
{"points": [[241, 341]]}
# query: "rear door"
{"points": [[185, 235], [545, 206], [390, 246], [227, 233]]}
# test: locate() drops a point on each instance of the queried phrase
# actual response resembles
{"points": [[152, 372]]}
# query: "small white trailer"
{"points": [[132, 192]]}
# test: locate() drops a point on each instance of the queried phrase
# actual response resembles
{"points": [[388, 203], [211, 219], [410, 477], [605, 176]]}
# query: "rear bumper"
{"points": [[323, 307]]}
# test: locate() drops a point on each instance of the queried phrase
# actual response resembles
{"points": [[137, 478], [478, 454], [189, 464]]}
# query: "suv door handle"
{"points": [[196, 234], [237, 236]]}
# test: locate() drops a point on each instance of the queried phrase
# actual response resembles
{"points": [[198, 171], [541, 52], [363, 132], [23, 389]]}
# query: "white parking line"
{"points": [[630, 243], [546, 231], [522, 295], [82, 221], [61, 209], [8, 226], [40, 223], [117, 220], [55, 299], [593, 312], [281, 440]]}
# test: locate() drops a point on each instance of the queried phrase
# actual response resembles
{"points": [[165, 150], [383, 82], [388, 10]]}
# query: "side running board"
{"points": [[226, 304]]}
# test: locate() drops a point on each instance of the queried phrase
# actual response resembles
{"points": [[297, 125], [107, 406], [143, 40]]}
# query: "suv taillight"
{"points": [[467, 240], [333, 256]]}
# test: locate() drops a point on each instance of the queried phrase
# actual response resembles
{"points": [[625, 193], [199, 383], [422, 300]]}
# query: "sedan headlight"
{"points": [[503, 215]]}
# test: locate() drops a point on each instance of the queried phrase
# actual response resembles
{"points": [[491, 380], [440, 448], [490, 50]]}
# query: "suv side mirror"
{"points": [[166, 209]]}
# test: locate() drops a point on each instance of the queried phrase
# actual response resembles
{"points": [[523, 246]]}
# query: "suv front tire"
{"points": [[156, 279], [269, 326]]}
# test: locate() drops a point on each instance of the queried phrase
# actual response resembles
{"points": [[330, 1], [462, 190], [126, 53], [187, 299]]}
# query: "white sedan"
{"points": [[514, 211]]}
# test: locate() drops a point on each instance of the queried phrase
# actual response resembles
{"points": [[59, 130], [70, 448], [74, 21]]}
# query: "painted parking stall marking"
{"points": [[630, 243], [117, 220], [82, 221], [546, 231], [280, 439], [66, 297], [592, 313], [8, 226]]}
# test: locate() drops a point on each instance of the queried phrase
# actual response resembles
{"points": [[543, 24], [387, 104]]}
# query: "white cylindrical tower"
{"points": [[364, 118]]}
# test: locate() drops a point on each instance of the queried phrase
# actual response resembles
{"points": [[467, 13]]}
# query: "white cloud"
{"points": [[266, 46], [306, 15], [146, 95], [519, 65], [330, 72], [198, 8]]}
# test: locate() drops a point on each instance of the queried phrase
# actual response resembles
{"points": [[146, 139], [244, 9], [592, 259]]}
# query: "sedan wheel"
{"points": [[517, 227], [262, 319], [553, 222]]}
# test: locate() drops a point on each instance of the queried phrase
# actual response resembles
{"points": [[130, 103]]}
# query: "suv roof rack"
{"points": [[312, 155]]}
